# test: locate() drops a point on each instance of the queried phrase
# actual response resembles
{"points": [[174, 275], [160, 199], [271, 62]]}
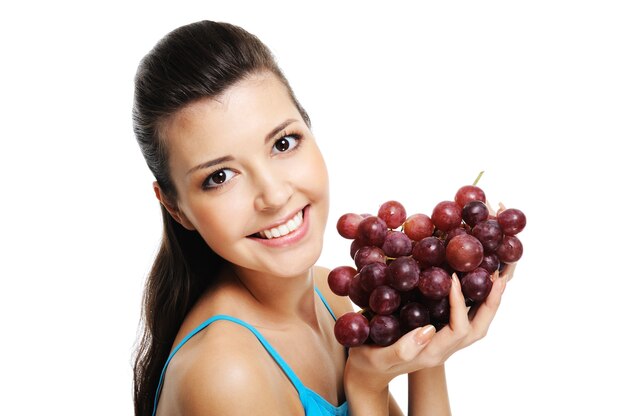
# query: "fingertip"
{"points": [[407, 347], [424, 334]]}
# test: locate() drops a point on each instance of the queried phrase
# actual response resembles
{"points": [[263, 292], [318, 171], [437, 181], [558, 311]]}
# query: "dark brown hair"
{"points": [[192, 62]]}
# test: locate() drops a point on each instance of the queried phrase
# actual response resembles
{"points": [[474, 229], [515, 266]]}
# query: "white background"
{"points": [[407, 103]]}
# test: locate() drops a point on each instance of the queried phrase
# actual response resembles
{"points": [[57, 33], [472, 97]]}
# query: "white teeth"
{"points": [[283, 229]]}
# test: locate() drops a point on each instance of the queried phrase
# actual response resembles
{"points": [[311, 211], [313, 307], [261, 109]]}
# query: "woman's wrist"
{"points": [[365, 394]]}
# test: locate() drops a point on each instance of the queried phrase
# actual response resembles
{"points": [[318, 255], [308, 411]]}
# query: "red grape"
{"points": [[464, 253], [397, 244], [512, 221], [469, 193], [372, 231], [355, 246], [510, 250], [476, 285], [384, 300], [429, 251], [348, 224], [403, 274], [413, 315], [384, 330], [453, 233], [491, 262], [434, 283], [418, 226], [393, 213], [372, 276], [489, 233], [351, 329], [474, 212], [339, 279], [368, 254], [438, 310], [357, 294], [446, 215]]}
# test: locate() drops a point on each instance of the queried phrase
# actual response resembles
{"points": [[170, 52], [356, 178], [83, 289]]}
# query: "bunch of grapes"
{"points": [[403, 275]]}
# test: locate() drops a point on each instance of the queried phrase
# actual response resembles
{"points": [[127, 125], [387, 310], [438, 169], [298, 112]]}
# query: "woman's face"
{"points": [[250, 177]]}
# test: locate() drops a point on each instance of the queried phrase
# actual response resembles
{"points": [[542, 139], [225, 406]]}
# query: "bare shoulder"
{"points": [[226, 371], [339, 304]]}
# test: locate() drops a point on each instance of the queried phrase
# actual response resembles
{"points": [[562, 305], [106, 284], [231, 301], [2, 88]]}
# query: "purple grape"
{"points": [[355, 246], [384, 330], [351, 329], [429, 251], [356, 293], [475, 212], [397, 244], [434, 283], [367, 255], [512, 221], [510, 250], [339, 279], [476, 285], [372, 230], [403, 274], [413, 315], [489, 233], [372, 276], [453, 233], [438, 310], [491, 262], [384, 300]]}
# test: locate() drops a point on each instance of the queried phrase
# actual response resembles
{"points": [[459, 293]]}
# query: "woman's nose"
{"points": [[274, 190]]}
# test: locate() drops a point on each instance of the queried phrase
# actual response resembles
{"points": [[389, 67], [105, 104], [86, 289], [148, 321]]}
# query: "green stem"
{"points": [[478, 177]]}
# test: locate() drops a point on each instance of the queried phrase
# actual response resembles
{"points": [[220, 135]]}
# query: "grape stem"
{"points": [[478, 177]]}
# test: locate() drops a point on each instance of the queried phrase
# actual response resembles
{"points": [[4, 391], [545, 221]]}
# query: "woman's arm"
{"points": [[428, 392]]}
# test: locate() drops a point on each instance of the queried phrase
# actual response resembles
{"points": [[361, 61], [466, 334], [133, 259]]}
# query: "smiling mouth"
{"points": [[284, 229]]}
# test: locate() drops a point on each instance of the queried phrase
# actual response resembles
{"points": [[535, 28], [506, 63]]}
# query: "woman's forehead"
{"points": [[248, 110]]}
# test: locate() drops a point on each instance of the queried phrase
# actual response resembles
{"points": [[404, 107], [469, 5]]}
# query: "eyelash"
{"points": [[298, 138]]}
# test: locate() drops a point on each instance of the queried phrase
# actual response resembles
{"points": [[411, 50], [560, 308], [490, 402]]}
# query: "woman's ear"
{"points": [[172, 208]]}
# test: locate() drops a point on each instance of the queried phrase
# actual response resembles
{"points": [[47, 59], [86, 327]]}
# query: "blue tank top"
{"points": [[313, 403]]}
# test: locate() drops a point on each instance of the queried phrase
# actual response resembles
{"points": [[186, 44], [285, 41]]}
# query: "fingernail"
{"points": [[455, 278], [504, 281], [425, 334]]}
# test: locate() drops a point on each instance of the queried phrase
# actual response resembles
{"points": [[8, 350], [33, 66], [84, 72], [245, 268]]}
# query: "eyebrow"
{"points": [[223, 159]]}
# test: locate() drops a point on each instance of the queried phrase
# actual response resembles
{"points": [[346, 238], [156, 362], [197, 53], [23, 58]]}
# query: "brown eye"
{"points": [[218, 178], [286, 143]]}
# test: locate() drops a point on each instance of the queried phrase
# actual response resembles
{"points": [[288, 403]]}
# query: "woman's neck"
{"points": [[279, 299]]}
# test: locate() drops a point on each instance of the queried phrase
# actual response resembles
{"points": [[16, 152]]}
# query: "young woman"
{"points": [[238, 319]]}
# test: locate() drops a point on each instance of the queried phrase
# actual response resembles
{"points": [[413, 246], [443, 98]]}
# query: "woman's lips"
{"points": [[292, 236]]}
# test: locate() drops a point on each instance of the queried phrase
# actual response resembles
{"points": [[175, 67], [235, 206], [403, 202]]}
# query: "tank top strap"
{"points": [[319, 293], [268, 347]]}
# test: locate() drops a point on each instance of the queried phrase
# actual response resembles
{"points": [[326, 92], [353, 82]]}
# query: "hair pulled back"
{"points": [[192, 62]]}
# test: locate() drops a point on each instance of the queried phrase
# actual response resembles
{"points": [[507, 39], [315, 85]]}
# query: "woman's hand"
{"points": [[369, 369]]}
